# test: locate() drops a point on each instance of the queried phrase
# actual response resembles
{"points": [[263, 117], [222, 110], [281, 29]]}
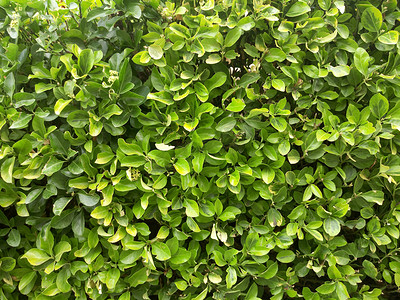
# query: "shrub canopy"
{"points": [[224, 149]]}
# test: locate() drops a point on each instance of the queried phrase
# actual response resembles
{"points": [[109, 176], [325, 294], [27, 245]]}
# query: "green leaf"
{"points": [[163, 97], [161, 251], [86, 61], [371, 19], [23, 99], [226, 124], [229, 213], [236, 105], [60, 105], [278, 85], [378, 105], [297, 9], [58, 142], [271, 271], [341, 291], [198, 161], [36, 257], [192, 208], [52, 166], [340, 71], [275, 54], [9, 84], [133, 161], [78, 119], [61, 248], [7, 264], [112, 278], [138, 278], [326, 288], [88, 200], [22, 121], [97, 12], [62, 280], [27, 282], [361, 61], [181, 285], [231, 277], [248, 79], [246, 23], [134, 10], [332, 226], [7, 169], [202, 295], [129, 149], [217, 80], [389, 38], [374, 196], [201, 91], [60, 204], [232, 37], [78, 224], [274, 217], [286, 256], [14, 238], [279, 123], [155, 51], [182, 166], [369, 269]]}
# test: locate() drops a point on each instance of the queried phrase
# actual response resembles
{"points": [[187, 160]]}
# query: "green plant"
{"points": [[213, 150]]}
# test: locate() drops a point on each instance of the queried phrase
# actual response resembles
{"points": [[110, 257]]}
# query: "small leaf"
{"points": [[78, 119], [231, 277], [7, 169], [371, 19], [217, 80], [389, 38], [226, 124], [14, 238], [236, 105], [341, 291], [36, 257], [369, 269], [182, 166], [86, 61], [374, 196], [9, 84], [112, 278], [286, 256], [52, 166], [378, 105], [232, 37], [332, 226], [340, 71], [27, 282], [22, 121], [192, 208], [279, 123], [298, 9], [161, 251], [275, 54], [155, 51], [361, 61]]}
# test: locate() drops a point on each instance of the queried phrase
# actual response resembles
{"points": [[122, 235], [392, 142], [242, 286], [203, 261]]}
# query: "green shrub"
{"points": [[224, 149]]}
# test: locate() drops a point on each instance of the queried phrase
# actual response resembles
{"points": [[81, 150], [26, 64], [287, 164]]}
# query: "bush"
{"points": [[221, 150]]}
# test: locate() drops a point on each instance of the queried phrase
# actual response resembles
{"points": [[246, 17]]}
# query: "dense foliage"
{"points": [[225, 149]]}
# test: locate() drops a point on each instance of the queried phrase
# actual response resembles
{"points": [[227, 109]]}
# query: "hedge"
{"points": [[218, 149]]}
